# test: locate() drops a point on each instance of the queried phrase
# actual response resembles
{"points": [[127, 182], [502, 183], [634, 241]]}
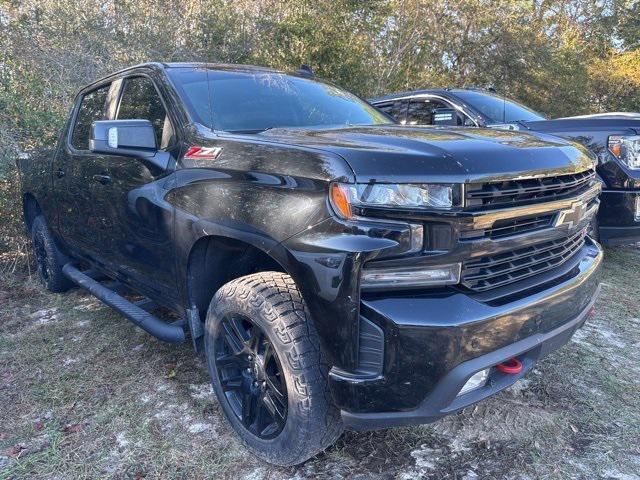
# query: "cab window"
{"points": [[92, 108], [396, 110], [141, 101], [429, 112]]}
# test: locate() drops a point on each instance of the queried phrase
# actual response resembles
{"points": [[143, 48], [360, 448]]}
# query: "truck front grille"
{"points": [[517, 192], [508, 227], [505, 268]]}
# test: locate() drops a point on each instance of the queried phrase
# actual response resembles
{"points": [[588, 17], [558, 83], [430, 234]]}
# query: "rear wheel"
{"points": [[49, 258], [268, 370]]}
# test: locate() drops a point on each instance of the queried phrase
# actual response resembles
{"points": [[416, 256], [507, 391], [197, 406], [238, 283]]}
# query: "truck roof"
{"points": [[166, 65], [433, 91], [218, 66]]}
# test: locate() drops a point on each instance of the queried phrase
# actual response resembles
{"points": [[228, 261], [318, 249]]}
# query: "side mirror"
{"points": [[129, 138], [445, 116]]}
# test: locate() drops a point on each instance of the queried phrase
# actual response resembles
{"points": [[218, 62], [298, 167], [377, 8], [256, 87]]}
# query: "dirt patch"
{"points": [[85, 394]]}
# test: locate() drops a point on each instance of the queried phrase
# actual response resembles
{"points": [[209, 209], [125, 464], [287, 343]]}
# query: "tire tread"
{"points": [[282, 305], [57, 281]]}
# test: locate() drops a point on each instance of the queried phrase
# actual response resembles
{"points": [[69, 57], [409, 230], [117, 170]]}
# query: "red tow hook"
{"points": [[512, 366]]}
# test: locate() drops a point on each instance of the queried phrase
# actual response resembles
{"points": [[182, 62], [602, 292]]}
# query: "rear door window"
{"points": [[92, 108], [141, 101]]}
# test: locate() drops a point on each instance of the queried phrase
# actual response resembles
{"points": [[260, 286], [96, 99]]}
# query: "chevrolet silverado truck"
{"points": [[613, 137], [337, 270]]}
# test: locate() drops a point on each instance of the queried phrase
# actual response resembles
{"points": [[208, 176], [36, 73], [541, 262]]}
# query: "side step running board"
{"points": [[149, 323]]}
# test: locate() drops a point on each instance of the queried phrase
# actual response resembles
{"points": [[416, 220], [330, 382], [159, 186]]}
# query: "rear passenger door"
{"points": [[77, 176], [141, 221]]}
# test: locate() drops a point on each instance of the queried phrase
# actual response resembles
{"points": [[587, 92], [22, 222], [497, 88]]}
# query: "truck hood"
{"points": [[396, 153], [609, 115]]}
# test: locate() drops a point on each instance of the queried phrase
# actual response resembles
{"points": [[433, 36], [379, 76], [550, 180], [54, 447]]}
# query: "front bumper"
{"points": [[435, 343], [616, 217]]}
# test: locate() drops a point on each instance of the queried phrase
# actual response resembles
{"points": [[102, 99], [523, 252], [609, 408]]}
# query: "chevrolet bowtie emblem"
{"points": [[572, 216]]}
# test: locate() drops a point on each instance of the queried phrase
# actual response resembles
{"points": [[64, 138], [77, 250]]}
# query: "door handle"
{"points": [[60, 173], [103, 179]]}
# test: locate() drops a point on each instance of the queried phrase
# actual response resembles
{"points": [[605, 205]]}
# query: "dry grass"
{"points": [[85, 394]]}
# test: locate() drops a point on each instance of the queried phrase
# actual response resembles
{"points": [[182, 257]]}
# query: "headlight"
{"points": [[346, 197], [626, 149], [409, 277]]}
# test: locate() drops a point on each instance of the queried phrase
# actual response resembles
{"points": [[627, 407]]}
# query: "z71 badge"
{"points": [[202, 153]]}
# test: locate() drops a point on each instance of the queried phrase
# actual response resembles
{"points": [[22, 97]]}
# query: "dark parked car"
{"points": [[338, 270], [614, 138]]}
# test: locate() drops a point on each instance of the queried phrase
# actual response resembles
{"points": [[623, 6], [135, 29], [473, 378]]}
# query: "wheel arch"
{"points": [[31, 209], [214, 260]]}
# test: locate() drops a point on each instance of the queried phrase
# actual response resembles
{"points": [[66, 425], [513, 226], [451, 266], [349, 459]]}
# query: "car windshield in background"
{"points": [[251, 101], [498, 109]]}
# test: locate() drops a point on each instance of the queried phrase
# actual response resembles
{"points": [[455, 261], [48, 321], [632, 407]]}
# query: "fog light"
{"points": [[476, 381]]}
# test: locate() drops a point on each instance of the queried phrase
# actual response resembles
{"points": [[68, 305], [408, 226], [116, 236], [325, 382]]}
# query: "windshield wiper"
{"points": [[250, 130]]}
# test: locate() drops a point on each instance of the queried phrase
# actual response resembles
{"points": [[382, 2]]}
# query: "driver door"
{"points": [[140, 244]]}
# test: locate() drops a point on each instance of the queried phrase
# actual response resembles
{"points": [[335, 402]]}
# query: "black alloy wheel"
{"points": [[268, 368], [251, 376]]}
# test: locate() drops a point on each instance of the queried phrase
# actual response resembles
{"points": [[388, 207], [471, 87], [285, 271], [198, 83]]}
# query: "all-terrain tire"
{"points": [[273, 302], [49, 258]]}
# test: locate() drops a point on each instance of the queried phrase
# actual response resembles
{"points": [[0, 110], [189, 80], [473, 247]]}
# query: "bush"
{"points": [[559, 58]]}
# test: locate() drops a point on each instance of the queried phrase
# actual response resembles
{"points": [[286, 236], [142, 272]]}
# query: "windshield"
{"points": [[251, 101], [498, 109]]}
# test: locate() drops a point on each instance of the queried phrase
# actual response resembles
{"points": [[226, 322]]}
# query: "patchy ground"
{"points": [[85, 394]]}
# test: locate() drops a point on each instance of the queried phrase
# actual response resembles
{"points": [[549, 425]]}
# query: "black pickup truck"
{"points": [[614, 138], [338, 270]]}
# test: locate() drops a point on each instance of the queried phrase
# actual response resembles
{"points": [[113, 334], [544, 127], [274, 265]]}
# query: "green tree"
{"points": [[561, 57]]}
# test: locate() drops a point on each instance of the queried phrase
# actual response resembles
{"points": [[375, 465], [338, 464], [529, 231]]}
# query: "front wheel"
{"points": [[268, 370]]}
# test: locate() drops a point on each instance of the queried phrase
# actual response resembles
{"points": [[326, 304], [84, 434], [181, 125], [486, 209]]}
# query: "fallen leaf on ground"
{"points": [[16, 450], [73, 428]]}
